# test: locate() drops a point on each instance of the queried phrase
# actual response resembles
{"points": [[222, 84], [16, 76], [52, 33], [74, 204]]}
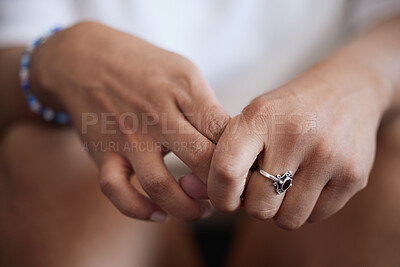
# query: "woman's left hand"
{"points": [[322, 126]]}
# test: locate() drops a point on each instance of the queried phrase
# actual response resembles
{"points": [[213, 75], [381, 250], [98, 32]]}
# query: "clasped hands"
{"points": [[320, 126]]}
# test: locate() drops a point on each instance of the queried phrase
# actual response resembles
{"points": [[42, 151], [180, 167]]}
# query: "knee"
{"points": [[35, 157]]}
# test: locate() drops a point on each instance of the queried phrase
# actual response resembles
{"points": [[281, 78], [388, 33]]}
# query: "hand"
{"points": [[132, 103], [321, 126]]}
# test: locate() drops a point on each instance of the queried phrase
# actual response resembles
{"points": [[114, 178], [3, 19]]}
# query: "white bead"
{"points": [[35, 106], [48, 114], [24, 75]]}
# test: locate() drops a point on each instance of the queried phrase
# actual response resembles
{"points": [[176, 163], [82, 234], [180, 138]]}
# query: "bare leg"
{"points": [[365, 233], [53, 213]]}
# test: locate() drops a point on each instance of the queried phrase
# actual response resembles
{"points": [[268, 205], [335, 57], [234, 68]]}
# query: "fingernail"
{"points": [[159, 216], [207, 213]]}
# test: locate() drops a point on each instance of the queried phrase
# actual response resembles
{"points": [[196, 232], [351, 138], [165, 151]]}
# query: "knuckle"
{"points": [[289, 222], [227, 171], [155, 184], [354, 175], [107, 186], [261, 117], [197, 147], [215, 122], [325, 151], [259, 112], [200, 151], [350, 173], [267, 212]]}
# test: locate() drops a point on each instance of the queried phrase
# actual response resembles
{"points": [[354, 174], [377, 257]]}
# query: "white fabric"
{"points": [[245, 48]]}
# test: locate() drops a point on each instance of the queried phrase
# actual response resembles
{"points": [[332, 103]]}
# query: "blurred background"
{"points": [[52, 210]]}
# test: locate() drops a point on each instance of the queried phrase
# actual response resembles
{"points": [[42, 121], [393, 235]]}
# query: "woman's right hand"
{"points": [[132, 102]]}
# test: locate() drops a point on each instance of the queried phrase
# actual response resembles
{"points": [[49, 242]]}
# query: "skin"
{"points": [[150, 97], [57, 215], [348, 96], [337, 157], [364, 233], [38, 211]]}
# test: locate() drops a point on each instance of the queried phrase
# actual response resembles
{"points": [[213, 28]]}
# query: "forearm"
{"points": [[378, 52], [13, 107], [365, 73]]}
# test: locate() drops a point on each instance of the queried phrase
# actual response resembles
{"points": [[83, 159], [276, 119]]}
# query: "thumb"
{"points": [[193, 186], [203, 110]]}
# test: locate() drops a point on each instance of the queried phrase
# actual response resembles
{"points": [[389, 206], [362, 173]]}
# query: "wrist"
{"points": [[33, 96], [358, 62], [40, 82], [68, 62], [347, 78], [45, 78]]}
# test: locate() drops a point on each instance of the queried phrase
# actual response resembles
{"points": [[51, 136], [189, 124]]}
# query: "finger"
{"points": [[234, 155], [201, 107], [115, 174], [332, 198], [162, 188], [188, 144], [300, 200], [261, 199], [193, 186]]}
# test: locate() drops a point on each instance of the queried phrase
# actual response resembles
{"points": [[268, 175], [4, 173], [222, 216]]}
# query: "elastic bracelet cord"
{"points": [[34, 104]]}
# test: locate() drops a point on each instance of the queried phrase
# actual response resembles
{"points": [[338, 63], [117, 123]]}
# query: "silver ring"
{"points": [[281, 182]]}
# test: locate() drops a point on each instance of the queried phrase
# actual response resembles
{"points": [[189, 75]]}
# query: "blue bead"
{"points": [[62, 118], [57, 29], [37, 42], [33, 103], [25, 60], [25, 87], [31, 98]]}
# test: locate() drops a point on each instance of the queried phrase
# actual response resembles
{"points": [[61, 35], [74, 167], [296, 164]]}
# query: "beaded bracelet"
{"points": [[35, 106]]}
